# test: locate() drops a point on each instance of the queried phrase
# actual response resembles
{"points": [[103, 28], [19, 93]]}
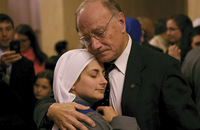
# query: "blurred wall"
{"points": [[153, 9], [52, 24], [193, 9], [4, 6]]}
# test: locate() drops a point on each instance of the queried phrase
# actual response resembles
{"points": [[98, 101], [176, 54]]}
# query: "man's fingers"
{"points": [[99, 108], [66, 116], [68, 127], [9, 58], [81, 107], [72, 122], [83, 117]]}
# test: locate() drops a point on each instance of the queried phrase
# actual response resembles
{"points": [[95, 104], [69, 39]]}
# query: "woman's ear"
{"points": [[72, 90], [73, 87]]}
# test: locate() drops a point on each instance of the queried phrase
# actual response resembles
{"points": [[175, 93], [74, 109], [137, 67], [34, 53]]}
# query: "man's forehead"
{"points": [[92, 16], [5, 24], [92, 9], [197, 37], [85, 19], [91, 25]]}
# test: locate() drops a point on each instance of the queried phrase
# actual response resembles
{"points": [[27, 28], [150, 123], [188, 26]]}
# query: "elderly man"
{"points": [[145, 84]]}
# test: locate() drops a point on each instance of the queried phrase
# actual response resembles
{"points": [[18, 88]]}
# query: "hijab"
{"points": [[67, 70], [133, 28]]}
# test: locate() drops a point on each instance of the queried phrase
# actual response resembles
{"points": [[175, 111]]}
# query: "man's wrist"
{"points": [[48, 114]]}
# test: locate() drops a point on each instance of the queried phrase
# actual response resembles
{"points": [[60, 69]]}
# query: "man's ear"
{"points": [[121, 19]]}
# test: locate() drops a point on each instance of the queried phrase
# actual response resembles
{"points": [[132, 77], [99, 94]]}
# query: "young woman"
{"points": [[43, 84], [179, 32], [79, 77], [29, 46]]}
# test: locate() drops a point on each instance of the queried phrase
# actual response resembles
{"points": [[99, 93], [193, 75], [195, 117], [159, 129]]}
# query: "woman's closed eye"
{"points": [[93, 74]]}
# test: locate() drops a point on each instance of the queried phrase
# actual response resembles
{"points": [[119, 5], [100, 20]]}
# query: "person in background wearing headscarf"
{"points": [[134, 29], [79, 77]]}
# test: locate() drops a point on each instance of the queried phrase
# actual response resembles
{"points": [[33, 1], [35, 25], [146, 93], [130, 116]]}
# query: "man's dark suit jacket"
{"points": [[191, 70], [17, 98], [154, 92]]}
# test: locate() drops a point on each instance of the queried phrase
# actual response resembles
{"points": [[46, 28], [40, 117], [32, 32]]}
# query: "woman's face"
{"points": [[195, 41], [25, 43], [42, 88], [91, 83], [173, 32]]}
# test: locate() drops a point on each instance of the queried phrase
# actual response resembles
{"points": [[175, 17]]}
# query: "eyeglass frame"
{"points": [[102, 35]]}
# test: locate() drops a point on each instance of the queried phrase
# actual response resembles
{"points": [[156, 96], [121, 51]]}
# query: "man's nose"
{"points": [[4, 32], [95, 44], [167, 32]]}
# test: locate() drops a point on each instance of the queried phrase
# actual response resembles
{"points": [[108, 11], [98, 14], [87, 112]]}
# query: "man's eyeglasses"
{"points": [[86, 40]]}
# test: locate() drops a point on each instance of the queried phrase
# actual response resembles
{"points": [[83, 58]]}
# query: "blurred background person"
{"points": [[148, 28], [61, 47], [148, 32], [43, 85], [196, 37], [51, 62], [16, 82], [160, 39], [30, 47], [179, 32]]}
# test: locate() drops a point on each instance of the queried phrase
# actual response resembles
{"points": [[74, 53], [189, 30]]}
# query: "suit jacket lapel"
{"points": [[133, 80]]}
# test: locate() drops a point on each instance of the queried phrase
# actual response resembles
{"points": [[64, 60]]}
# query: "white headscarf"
{"points": [[67, 70], [196, 22]]}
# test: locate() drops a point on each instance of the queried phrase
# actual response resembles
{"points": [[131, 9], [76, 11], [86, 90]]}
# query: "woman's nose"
{"points": [[104, 81]]}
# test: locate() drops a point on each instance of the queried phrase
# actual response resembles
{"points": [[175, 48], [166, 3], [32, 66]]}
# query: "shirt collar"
{"points": [[124, 57]]}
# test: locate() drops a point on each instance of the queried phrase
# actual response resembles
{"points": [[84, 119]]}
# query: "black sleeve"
{"points": [[41, 109]]}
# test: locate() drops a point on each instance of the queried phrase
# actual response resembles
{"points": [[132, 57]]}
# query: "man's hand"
{"points": [[8, 58], [108, 112], [66, 116]]}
